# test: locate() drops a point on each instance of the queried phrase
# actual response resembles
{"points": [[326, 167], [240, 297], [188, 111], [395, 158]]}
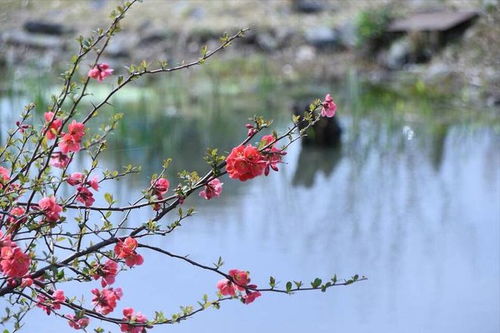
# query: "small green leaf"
{"points": [[316, 283], [272, 282], [109, 198]]}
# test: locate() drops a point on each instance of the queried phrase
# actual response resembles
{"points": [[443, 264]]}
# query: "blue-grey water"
{"points": [[410, 201]]}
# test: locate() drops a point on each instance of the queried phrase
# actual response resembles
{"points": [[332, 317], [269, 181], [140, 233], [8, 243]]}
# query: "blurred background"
{"points": [[408, 194]]}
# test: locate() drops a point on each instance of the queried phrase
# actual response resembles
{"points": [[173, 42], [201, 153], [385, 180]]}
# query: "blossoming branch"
{"points": [[49, 238]]}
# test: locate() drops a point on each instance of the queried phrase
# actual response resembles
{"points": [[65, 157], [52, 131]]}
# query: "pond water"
{"points": [[411, 199]]}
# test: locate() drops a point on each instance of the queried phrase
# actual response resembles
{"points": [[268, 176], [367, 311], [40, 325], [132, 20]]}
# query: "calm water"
{"points": [[410, 199]]}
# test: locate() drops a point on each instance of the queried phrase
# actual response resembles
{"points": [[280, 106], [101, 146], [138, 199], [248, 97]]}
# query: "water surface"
{"points": [[410, 199]]}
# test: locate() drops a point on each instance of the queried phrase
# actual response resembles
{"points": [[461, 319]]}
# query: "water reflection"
{"points": [[419, 217], [313, 161], [439, 131]]}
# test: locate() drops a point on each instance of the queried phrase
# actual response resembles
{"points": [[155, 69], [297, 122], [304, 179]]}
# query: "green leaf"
{"points": [[109, 198], [272, 282], [288, 286], [316, 283]]}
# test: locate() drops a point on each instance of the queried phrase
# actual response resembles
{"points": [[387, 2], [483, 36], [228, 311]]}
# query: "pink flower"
{"points": [[76, 130], [245, 163], [240, 278], [50, 208], [267, 139], [59, 160], [77, 323], [105, 299], [272, 154], [251, 129], [54, 127], [22, 127], [94, 183], [250, 297], [212, 190], [59, 296], [16, 213], [329, 107], [4, 176], [108, 272], [49, 304], [26, 282], [133, 260], [14, 263], [126, 250], [160, 186], [76, 178], [129, 316], [226, 287], [85, 196], [5, 240], [69, 143], [100, 72]]}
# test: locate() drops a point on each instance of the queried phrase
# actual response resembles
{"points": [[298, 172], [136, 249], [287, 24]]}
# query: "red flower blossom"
{"points": [[70, 142], [245, 162], [14, 262], [6, 241], [49, 304], [240, 280], [4, 176], [76, 130], [100, 72], [212, 190], [226, 287], [59, 160], [108, 272], [77, 323], [105, 299], [54, 126], [138, 317], [85, 196], [329, 107], [94, 183], [251, 129], [15, 214], [126, 250], [250, 297], [76, 178], [50, 208], [160, 185], [271, 154]]}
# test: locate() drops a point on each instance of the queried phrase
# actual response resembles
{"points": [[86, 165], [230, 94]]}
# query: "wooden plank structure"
{"points": [[433, 21], [433, 29]]}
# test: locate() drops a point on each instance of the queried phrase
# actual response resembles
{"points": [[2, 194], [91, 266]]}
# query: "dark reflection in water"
{"points": [[439, 133], [313, 160], [410, 199]]}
